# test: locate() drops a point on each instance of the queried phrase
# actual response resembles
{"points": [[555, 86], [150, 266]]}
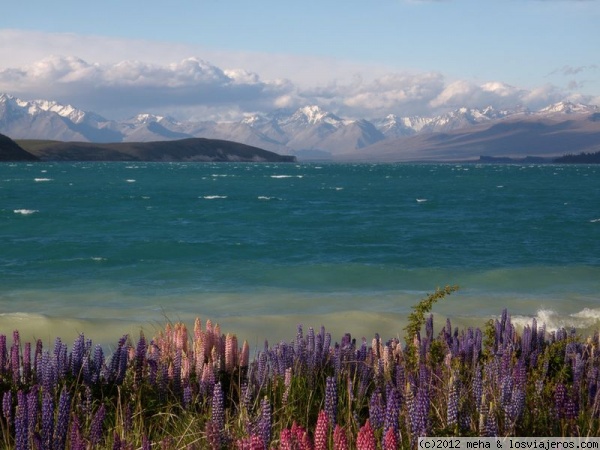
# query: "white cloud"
{"points": [[119, 78]]}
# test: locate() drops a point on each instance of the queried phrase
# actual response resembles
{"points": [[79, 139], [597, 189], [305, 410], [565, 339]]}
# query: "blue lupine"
{"points": [[264, 422], [218, 410], [62, 421], [47, 420], [21, 423], [32, 409], [77, 355], [97, 426], [331, 399], [392, 413], [3, 354], [7, 400], [376, 411], [452, 405]]}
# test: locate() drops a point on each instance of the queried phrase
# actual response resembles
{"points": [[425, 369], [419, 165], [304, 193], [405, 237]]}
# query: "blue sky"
{"points": [[222, 59]]}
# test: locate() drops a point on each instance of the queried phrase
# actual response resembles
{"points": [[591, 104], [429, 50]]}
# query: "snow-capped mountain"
{"points": [[309, 131]]}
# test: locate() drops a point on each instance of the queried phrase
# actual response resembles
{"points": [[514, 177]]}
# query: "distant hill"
{"points": [[548, 136], [582, 158], [192, 150], [11, 151]]}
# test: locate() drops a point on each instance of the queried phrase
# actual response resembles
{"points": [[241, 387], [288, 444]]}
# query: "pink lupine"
{"points": [[390, 441], [244, 355], [365, 440], [321, 431], [340, 441], [231, 352]]}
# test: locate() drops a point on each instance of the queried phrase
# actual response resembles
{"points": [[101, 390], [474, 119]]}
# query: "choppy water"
{"points": [[108, 248]]}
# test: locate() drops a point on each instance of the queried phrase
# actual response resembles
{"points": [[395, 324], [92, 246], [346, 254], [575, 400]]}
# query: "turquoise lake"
{"points": [[112, 248]]}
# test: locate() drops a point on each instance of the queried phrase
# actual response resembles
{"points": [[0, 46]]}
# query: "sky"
{"points": [[222, 60]]}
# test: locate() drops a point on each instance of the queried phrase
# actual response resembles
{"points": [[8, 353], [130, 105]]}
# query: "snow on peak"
{"points": [[313, 114], [567, 107]]}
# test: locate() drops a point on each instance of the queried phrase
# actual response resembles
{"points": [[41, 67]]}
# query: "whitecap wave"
{"points": [[595, 220], [130, 180], [421, 200], [585, 319], [37, 180], [25, 212], [213, 197], [287, 176]]}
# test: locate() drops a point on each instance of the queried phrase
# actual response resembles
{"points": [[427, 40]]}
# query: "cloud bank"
{"points": [[194, 88]]}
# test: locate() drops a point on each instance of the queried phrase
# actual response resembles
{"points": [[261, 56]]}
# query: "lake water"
{"points": [[111, 248]]}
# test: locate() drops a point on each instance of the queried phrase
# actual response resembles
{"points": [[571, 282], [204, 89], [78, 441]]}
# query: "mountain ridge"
{"points": [[308, 132]]}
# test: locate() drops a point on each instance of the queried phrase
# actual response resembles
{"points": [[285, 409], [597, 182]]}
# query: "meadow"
{"points": [[201, 389]]}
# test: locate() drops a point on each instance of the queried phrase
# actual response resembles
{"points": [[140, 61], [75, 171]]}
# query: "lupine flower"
{"points": [[392, 413], [231, 352], [376, 412], [14, 358], [365, 440], [21, 422], [62, 421], [331, 399], [340, 441], [452, 407], [3, 353], [77, 355], [32, 410], [321, 431], [218, 411], [264, 422], [76, 439], [47, 420], [7, 400], [27, 363], [96, 428], [390, 440]]}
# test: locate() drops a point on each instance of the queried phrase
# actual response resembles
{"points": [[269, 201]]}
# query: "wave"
{"points": [[130, 181], [25, 212], [422, 200], [287, 176], [595, 220], [42, 179], [585, 319], [213, 197]]}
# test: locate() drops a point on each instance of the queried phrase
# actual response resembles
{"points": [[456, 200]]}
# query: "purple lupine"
{"points": [[491, 425], [21, 423], [76, 439], [37, 357], [97, 365], [60, 358], [3, 354], [97, 426], [452, 406], [7, 400], [146, 444], [32, 409], [77, 355], [140, 358], [218, 411], [62, 421], [376, 413], [477, 387], [331, 399], [27, 363], [560, 400], [392, 413], [47, 420], [187, 396], [15, 358], [264, 422]]}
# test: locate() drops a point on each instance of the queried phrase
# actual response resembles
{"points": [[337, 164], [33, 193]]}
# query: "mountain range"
{"points": [[310, 133]]}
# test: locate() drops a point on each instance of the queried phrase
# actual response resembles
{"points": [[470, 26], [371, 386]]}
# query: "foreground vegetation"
{"points": [[199, 389]]}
